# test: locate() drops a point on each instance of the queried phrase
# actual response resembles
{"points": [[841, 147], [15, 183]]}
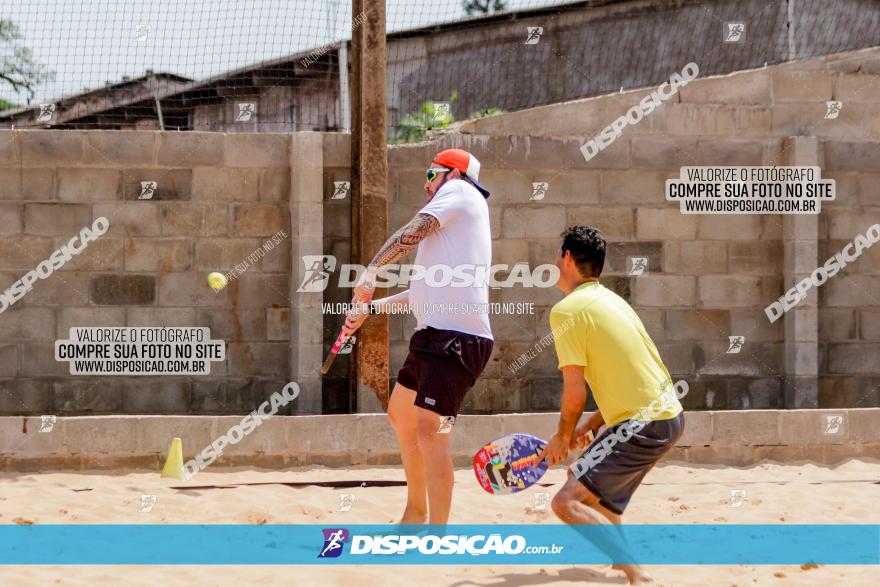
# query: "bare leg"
{"points": [[436, 451], [575, 504], [404, 420]]}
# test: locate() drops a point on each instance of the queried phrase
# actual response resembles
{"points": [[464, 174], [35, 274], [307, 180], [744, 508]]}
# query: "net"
{"points": [[274, 65]]}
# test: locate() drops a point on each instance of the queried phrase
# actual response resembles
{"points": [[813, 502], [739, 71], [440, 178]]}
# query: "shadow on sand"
{"points": [[571, 575]]}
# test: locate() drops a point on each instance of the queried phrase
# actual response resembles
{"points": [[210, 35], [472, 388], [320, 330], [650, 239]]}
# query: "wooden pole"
{"points": [[369, 159]]}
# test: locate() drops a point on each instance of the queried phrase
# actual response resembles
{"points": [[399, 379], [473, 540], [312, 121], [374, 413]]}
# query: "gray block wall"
{"points": [[218, 199], [220, 196], [709, 276]]}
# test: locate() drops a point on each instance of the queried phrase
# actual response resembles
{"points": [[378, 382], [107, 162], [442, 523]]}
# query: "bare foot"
{"points": [[413, 517], [635, 575], [641, 578]]}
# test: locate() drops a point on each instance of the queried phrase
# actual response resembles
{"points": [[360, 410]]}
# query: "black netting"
{"points": [[273, 65]]}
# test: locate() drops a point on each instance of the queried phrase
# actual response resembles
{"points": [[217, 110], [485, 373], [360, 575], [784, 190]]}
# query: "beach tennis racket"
{"points": [[334, 350], [510, 463], [337, 346]]}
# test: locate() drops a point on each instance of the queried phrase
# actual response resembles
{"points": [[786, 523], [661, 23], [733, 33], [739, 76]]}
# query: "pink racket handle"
{"points": [[340, 340]]}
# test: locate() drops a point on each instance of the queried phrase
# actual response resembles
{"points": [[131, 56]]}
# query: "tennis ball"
{"points": [[217, 281]]}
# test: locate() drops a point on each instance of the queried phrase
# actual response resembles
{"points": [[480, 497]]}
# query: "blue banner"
{"points": [[543, 544]]}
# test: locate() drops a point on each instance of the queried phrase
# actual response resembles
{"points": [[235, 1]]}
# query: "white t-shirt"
{"points": [[464, 239]]}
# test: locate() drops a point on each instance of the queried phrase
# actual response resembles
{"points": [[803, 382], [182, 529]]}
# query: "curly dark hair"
{"points": [[587, 247]]}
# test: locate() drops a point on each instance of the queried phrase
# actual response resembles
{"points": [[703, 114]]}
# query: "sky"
{"points": [[89, 42]]}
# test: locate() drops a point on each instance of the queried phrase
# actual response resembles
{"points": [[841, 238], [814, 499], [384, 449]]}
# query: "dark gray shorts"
{"points": [[614, 472]]}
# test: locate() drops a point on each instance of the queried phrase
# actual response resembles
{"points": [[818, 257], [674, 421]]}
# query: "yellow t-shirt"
{"points": [[595, 328]]}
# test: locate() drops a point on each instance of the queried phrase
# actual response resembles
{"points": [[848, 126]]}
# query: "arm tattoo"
{"points": [[406, 239]]}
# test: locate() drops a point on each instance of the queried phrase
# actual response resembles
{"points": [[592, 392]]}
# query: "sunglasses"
{"points": [[434, 172]]}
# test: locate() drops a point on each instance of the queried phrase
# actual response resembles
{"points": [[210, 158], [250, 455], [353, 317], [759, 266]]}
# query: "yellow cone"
{"points": [[174, 461]]}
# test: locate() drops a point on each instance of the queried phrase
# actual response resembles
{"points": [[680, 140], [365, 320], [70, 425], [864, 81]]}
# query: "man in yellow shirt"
{"points": [[601, 341]]}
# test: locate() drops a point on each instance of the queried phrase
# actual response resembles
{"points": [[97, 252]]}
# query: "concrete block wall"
{"points": [[220, 196], [733, 437], [339, 391], [709, 276], [218, 199]]}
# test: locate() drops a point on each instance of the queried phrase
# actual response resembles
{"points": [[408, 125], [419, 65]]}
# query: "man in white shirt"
{"points": [[453, 340]]}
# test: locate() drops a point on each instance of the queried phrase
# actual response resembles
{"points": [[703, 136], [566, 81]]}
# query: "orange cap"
{"points": [[466, 163]]}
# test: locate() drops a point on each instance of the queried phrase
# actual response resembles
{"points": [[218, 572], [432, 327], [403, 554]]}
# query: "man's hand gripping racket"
{"points": [[334, 350], [363, 294]]}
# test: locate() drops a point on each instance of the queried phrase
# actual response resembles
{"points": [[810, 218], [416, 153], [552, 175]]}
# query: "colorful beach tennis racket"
{"points": [[510, 464]]}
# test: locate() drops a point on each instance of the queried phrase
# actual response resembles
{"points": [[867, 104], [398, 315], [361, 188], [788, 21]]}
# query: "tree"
{"points": [[7, 105], [473, 7], [18, 68], [416, 126]]}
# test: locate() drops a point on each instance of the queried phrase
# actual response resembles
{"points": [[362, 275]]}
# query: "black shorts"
{"points": [[614, 472], [442, 365]]}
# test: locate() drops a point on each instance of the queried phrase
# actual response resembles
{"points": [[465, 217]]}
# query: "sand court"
{"points": [[674, 493]]}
